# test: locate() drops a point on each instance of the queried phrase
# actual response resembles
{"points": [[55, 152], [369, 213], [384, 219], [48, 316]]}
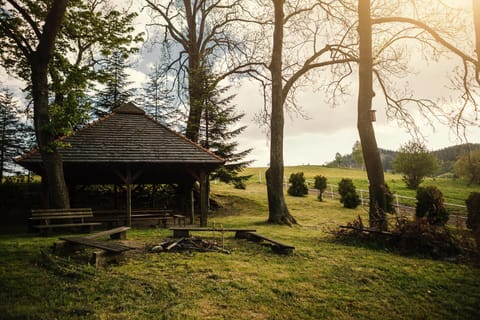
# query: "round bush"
{"points": [[297, 188], [430, 204], [473, 209], [348, 194]]}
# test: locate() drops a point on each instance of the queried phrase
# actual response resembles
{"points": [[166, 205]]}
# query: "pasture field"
{"points": [[323, 279], [454, 190]]}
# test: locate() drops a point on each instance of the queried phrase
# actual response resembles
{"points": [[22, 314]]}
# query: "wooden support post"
{"points": [[203, 199], [192, 207], [129, 204]]}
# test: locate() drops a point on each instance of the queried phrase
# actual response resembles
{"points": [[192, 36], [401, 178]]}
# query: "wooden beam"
{"points": [[203, 199]]}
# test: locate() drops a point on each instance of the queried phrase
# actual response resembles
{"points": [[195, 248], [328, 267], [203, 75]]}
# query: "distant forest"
{"points": [[446, 157]]}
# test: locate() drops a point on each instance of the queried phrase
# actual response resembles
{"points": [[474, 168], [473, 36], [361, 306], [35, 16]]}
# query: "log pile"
{"points": [[189, 244]]}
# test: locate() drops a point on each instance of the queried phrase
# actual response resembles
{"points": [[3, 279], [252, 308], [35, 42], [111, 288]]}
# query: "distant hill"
{"points": [[446, 156]]}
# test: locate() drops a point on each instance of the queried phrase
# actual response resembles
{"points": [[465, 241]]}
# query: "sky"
{"points": [[327, 130]]}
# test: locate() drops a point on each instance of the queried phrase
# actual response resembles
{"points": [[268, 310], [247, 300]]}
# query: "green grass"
{"points": [[323, 279], [454, 190]]}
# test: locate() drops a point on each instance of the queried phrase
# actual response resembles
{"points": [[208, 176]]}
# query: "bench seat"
{"points": [[47, 219]]}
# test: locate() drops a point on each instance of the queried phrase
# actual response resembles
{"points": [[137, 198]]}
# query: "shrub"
{"points": [[473, 209], [321, 186], [430, 205], [348, 194], [389, 206], [297, 188]]}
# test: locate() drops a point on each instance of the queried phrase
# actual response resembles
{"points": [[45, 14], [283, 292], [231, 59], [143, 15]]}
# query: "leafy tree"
{"points": [[15, 135], [28, 50], [357, 154], [321, 186], [53, 46], [430, 205], [338, 159], [348, 194], [415, 162], [468, 166], [298, 187], [158, 100]]}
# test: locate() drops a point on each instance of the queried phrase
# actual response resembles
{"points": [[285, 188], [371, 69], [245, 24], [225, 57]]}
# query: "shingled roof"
{"points": [[127, 137]]}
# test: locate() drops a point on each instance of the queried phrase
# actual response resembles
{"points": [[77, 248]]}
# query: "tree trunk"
{"points": [[52, 161], [195, 75], [371, 155], [278, 211], [476, 23]]}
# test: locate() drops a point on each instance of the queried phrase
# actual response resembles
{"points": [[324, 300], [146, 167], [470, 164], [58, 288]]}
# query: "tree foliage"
{"points": [[348, 194], [415, 162], [15, 135], [158, 99], [321, 185], [430, 205], [473, 209], [218, 131], [468, 166], [298, 187], [117, 89]]}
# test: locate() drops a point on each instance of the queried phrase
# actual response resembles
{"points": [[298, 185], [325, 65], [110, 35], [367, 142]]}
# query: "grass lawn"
{"points": [[323, 279]]}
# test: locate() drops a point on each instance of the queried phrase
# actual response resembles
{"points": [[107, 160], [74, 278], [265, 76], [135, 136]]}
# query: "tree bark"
{"points": [[39, 61], [278, 211], [195, 75], [476, 23], [371, 155]]}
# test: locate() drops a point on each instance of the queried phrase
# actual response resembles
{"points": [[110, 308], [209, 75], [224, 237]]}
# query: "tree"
{"points": [[415, 162], [53, 48], [348, 194], [298, 187], [158, 100], [24, 38], [115, 77], [468, 166], [202, 33], [321, 186], [14, 134], [282, 86], [430, 205], [357, 155], [217, 133]]}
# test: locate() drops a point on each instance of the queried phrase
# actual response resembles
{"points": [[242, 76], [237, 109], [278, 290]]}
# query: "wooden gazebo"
{"points": [[128, 147]]}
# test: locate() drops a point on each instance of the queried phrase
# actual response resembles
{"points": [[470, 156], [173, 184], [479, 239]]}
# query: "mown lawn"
{"points": [[323, 279]]}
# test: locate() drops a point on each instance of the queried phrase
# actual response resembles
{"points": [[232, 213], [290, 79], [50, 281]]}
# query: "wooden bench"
{"points": [[277, 246], [48, 219], [114, 218], [183, 232], [111, 252]]}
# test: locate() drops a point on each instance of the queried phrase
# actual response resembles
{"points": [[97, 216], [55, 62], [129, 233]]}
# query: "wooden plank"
{"points": [[116, 233], [262, 237], [34, 211], [65, 225], [211, 229], [108, 246]]}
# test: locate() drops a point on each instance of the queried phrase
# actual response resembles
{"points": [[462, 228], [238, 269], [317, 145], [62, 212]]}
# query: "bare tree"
{"points": [[284, 79], [201, 41]]}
